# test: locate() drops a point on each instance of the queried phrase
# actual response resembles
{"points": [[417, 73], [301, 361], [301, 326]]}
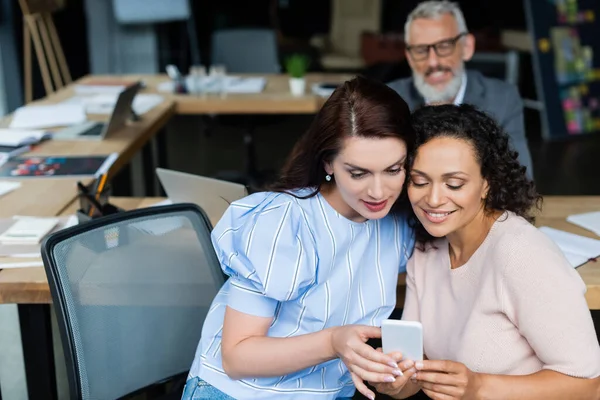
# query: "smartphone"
{"points": [[403, 336]]}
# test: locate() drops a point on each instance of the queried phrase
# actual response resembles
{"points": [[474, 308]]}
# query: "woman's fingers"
{"points": [[367, 352], [371, 376], [437, 396], [361, 387], [435, 377], [375, 367], [442, 389]]}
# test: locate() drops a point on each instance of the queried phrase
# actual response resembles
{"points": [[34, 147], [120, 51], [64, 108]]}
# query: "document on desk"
{"points": [[104, 104], [22, 137], [577, 249], [24, 264], [48, 116], [29, 249], [7, 187], [589, 221], [209, 84]]}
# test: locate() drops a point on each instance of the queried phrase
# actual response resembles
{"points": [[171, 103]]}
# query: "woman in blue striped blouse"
{"points": [[314, 262]]}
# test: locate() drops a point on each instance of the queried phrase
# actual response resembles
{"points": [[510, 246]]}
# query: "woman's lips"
{"points": [[375, 207]]}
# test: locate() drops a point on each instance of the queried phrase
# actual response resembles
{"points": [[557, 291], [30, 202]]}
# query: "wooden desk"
{"points": [[274, 99], [49, 196], [30, 285]]}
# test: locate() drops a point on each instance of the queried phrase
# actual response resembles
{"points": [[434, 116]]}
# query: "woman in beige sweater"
{"points": [[504, 314]]}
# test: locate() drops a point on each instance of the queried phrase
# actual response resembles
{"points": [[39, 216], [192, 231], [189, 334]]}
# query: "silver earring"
{"points": [[328, 178]]}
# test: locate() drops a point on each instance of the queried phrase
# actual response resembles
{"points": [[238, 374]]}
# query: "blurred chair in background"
{"points": [[252, 51], [246, 51], [502, 65], [131, 12], [341, 49]]}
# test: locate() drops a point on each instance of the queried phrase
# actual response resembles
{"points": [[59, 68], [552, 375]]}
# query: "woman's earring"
{"points": [[328, 178]]}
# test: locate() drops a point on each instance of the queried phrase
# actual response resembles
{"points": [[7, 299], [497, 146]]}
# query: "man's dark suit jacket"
{"points": [[497, 98]]}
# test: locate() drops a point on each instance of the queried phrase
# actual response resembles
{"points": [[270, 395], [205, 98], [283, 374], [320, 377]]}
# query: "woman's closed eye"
{"points": [[395, 170], [357, 174], [454, 187], [455, 184], [418, 183]]}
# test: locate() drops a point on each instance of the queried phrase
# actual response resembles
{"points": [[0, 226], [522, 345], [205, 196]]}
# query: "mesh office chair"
{"points": [[131, 292], [131, 12], [246, 51], [503, 66]]}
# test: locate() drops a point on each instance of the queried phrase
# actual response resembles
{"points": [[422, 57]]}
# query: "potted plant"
{"points": [[296, 66]]}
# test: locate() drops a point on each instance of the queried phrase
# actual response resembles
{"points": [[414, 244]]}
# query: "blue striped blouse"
{"points": [[308, 267]]}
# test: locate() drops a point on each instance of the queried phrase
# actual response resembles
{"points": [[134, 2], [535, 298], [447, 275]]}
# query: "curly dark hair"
{"points": [[509, 187]]}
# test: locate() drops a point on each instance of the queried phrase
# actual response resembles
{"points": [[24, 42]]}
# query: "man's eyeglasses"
{"points": [[443, 48]]}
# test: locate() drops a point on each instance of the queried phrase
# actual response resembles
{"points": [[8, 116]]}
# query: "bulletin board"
{"points": [[566, 60]]}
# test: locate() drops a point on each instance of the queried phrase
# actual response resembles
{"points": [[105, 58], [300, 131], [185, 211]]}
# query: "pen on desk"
{"points": [[99, 189], [94, 202], [101, 186]]}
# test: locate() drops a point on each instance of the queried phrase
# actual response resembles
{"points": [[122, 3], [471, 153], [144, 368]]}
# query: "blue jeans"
{"points": [[197, 389]]}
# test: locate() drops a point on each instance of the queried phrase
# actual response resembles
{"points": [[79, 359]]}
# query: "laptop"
{"points": [[212, 195], [93, 130]]}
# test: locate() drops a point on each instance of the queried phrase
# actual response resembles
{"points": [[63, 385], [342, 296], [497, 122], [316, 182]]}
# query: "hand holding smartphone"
{"points": [[403, 336]]}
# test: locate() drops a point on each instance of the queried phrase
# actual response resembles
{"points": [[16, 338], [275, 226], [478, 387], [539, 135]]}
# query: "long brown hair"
{"points": [[361, 108]]}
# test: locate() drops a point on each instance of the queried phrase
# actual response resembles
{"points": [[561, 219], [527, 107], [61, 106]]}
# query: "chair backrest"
{"points": [[131, 291], [151, 11], [131, 12], [246, 50], [39, 28], [349, 19], [503, 66]]}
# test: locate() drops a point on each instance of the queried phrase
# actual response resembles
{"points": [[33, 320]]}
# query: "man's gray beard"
{"points": [[433, 95]]}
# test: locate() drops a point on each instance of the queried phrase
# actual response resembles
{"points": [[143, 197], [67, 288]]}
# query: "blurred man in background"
{"points": [[437, 46]]}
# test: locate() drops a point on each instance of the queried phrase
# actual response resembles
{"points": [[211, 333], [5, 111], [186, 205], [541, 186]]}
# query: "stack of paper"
{"points": [[577, 249], [104, 104], [28, 230], [7, 187], [22, 137], [589, 221], [48, 116], [29, 253], [210, 84]]}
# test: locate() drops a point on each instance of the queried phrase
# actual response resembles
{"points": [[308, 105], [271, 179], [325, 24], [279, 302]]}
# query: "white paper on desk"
{"points": [[577, 249], [7, 187], [48, 116], [209, 84], [28, 230], [98, 89], [22, 137], [24, 264], [104, 104], [28, 250], [589, 221]]}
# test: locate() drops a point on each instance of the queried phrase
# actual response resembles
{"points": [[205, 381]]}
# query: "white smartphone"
{"points": [[403, 336]]}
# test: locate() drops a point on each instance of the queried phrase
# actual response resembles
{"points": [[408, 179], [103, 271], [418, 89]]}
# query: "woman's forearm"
{"points": [[263, 356], [546, 384]]}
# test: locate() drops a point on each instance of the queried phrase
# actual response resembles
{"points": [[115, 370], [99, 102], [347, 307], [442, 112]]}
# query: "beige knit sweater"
{"points": [[514, 308]]}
